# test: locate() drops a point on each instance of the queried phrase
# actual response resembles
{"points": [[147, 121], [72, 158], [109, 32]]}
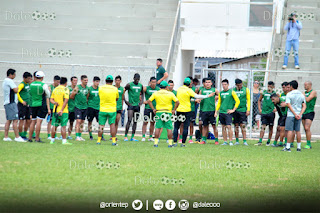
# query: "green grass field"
{"points": [[44, 177]]}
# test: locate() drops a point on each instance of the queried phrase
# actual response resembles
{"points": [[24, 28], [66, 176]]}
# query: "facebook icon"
{"points": [[170, 205]]}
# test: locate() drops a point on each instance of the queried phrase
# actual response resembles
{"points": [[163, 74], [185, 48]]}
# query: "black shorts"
{"points": [[80, 113], [282, 121], [268, 119], [119, 111], [225, 118], [192, 116], [24, 112], [134, 108], [309, 116], [39, 112], [207, 118], [240, 118], [148, 115], [72, 116], [92, 113]]}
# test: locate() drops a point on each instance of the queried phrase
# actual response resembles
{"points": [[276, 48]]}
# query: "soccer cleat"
{"points": [[198, 140], [114, 144], [78, 138], [133, 139], [291, 145], [231, 144], [258, 144], [156, 145], [66, 143], [268, 144], [143, 139], [180, 141], [19, 139], [51, 142], [7, 139], [59, 138], [69, 138], [202, 142], [175, 145], [82, 139], [274, 145], [224, 144], [98, 143], [284, 67], [216, 143], [298, 150], [307, 147], [237, 143], [151, 139], [170, 146], [297, 67], [91, 138], [125, 139], [286, 150], [103, 139], [39, 141], [24, 138], [30, 140], [246, 144], [190, 141], [49, 138], [182, 145]]}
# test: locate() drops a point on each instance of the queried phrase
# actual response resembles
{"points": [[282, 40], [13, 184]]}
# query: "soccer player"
{"points": [[24, 104], [267, 112], [148, 112], [59, 98], [308, 115], [56, 82], [135, 94], [40, 105], [285, 90], [93, 104], [193, 110], [163, 99], [161, 73], [108, 108], [296, 103], [243, 111], [184, 94], [119, 101], [80, 95], [71, 105], [207, 110], [170, 87], [281, 106], [228, 102], [200, 122]]}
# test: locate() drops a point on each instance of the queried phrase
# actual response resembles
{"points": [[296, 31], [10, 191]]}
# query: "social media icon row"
{"points": [[158, 205]]}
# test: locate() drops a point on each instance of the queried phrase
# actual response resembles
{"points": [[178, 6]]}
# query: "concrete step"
{"points": [[304, 58]]}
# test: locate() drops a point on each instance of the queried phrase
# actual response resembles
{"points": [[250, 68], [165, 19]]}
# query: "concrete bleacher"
{"points": [[309, 50]]}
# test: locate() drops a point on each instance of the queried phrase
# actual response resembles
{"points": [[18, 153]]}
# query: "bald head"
{"points": [[308, 85]]}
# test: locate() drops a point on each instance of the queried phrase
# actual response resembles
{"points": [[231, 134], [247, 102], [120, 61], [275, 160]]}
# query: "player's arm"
{"points": [[259, 103], [88, 94], [124, 90], [248, 102], [117, 95], [218, 105], [216, 95], [141, 97], [199, 100], [150, 103], [312, 95], [74, 92], [144, 90], [127, 88], [197, 90], [165, 76], [47, 93], [237, 100], [176, 103], [20, 87]]}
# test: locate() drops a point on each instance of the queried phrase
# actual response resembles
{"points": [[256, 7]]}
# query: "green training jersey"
{"points": [[283, 95], [242, 95], [71, 102], [149, 92], [25, 92], [175, 93], [311, 103], [193, 104], [134, 93], [119, 101], [37, 93], [51, 90], [283, 110], [227, 101], [208, 104], [267, 105], [160, 72], [94, 99], [80, 99]]}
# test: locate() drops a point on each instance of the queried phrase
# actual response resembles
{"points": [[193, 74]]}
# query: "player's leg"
{"points": [[64, 123], [230, 134], [186, 127], [289, 127], [144, 130], [264, 123], [83, 116], [49, 125], [205, 127], [90, 118], [224, 135], [297, 124], [176, 129], [307, 125], [244, 133], [136, 117], [103, 116], [152, 125], [71, 122], [38, 129], [130, 117], [27, 122], [192, 121], [277, 136], [216, 134], [112, 120], [180, 131], [236, 133]]}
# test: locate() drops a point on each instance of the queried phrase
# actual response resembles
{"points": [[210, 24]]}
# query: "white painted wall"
{"points": [[184, 59]]}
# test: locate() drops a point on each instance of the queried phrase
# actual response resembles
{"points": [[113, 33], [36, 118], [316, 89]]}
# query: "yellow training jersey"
{"points": [[108, 98], [59, 94], [163, 100], [184, 94]]}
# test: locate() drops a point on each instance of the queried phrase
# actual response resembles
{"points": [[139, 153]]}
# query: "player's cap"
{"points": [[39, 74], [163, 84], [109, 78], [187, 81]]}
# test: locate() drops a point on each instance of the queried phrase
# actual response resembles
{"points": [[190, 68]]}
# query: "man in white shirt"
{"points": [[296, 103], [10, 90]]}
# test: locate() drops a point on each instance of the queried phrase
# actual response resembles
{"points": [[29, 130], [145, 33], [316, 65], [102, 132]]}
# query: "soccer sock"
{"points": [[20, 134], [25, 134], [190, 137], [288, 146], [180, 137], [237, 139], [268, 141], [285, 140], [244, 141], [49, 135], [80, 134], [230, 141], [298, 145], [260, 140], [275, 142], [34, 134], [126, 135], [144, 135], [99, 139], [156, 141], [150, 136], [204, 138], [309, 143], [216, 139], [132, 136], [170, 142], [102, 136], [77, 134], [113, 139], [90, 133]]}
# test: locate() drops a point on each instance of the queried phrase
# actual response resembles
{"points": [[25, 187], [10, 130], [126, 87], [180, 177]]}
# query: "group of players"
{"points": [[163, 106]]}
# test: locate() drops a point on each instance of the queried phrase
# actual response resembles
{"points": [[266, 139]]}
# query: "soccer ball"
{"points": [[165, 180], [181, 181], [174, 118], [246, 165], [116, 165], [166, 117], [52, 16], [45, 16], [181, 118], [239, 165], [36, 15], [109, 165], [60, 53], [174, 181], [52, 52], [230, 164], [162, 116], [68, 53], [100, 164]]}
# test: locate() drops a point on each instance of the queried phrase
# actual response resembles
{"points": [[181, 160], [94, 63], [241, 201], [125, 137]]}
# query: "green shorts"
{"points": [[60, 120], [104, 116], [161, 123]]}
